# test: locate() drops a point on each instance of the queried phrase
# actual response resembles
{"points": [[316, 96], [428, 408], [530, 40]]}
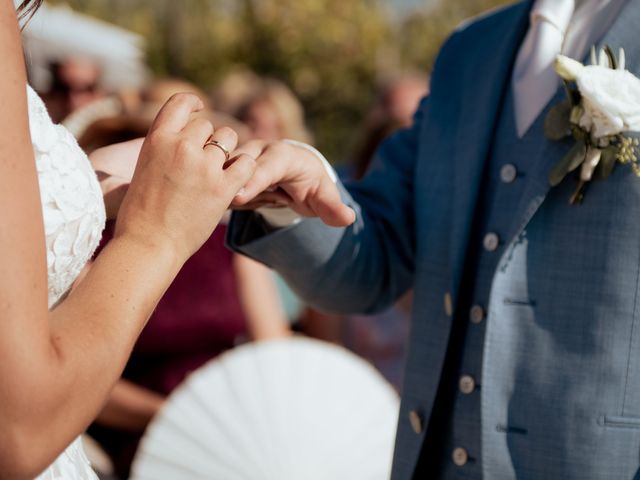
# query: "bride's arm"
{"points": [[56, 369], [55, 372]]}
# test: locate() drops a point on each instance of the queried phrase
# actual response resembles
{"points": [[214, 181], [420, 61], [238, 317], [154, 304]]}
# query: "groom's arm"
{"points": [[363, 267]]}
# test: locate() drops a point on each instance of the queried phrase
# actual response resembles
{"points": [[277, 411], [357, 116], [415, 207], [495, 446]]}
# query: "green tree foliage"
{"points": [[423, 32], [333, 53]]}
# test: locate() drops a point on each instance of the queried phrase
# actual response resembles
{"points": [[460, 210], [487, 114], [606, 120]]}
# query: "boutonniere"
{"points": [[602, 113]]}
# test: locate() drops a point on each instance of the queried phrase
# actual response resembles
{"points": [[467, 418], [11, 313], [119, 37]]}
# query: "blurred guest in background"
{"points": [[231, 93], [399, 98], [77, 98], [393, 109], [75, 83], [273, 112]]}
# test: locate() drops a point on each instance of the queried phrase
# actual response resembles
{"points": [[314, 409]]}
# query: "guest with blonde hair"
{"points": [[274, 112]]}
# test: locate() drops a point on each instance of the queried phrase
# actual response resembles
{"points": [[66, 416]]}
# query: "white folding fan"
{"points": [[294, 409]]}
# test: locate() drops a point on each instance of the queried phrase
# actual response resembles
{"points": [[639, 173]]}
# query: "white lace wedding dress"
{"points": [[74, 217]]}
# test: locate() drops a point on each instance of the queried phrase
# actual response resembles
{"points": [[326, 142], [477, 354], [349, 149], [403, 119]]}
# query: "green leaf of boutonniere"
{"points": [[607, 163], [557, 124], [573, 95], [576, 114], [568, 164]]}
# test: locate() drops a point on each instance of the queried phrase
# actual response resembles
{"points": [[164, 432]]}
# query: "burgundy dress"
{"points": [[198, 318]]}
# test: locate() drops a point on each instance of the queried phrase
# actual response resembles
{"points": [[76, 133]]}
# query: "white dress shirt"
{"points": [[588, 23]]}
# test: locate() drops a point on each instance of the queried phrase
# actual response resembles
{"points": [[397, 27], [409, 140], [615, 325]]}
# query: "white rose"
{"points": [[611, 98]]}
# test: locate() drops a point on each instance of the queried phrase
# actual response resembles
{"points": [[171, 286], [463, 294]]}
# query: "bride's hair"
{"points": [[27, 8]]}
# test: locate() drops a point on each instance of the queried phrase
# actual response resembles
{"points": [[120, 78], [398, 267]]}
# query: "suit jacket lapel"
{"points": [[489, 69], [622, 34]]}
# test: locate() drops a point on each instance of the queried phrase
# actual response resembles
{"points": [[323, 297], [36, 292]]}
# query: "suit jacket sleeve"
{"points": [[361, 268]]}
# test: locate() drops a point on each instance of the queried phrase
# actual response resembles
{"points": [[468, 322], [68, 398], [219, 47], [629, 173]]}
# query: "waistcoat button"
{"points": [[415, 419], [467, 384], [508, 173], [477, 314], [491, 242], [448, 305], [460, 457]]}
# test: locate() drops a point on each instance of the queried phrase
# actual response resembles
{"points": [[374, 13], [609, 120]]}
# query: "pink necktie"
{"points": [[534, 80]]}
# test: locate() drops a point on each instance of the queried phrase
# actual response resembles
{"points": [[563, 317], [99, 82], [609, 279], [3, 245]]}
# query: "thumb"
{"points": [[328, 205]]}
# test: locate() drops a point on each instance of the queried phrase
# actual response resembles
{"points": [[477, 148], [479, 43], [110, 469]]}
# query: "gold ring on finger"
{"points": [[215, 143]]}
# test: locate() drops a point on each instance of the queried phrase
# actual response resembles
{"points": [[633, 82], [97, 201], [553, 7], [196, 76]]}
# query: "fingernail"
{"points": [[241, 192]]}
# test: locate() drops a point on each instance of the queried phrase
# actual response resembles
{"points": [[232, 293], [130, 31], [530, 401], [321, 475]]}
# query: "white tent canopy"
{"points": [[57, 32]]}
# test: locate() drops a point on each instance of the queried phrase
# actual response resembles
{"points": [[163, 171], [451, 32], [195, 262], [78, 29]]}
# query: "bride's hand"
{"points": [[180, 189]]}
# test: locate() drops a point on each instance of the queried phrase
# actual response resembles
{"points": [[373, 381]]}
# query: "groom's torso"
{"points": [[534, 300]]}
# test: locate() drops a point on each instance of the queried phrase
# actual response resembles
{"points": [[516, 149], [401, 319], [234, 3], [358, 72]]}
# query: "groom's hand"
{"points": [[291, 176]]}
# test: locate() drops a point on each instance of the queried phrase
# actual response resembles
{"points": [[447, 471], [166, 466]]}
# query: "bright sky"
{"points": [[407, 4]]}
